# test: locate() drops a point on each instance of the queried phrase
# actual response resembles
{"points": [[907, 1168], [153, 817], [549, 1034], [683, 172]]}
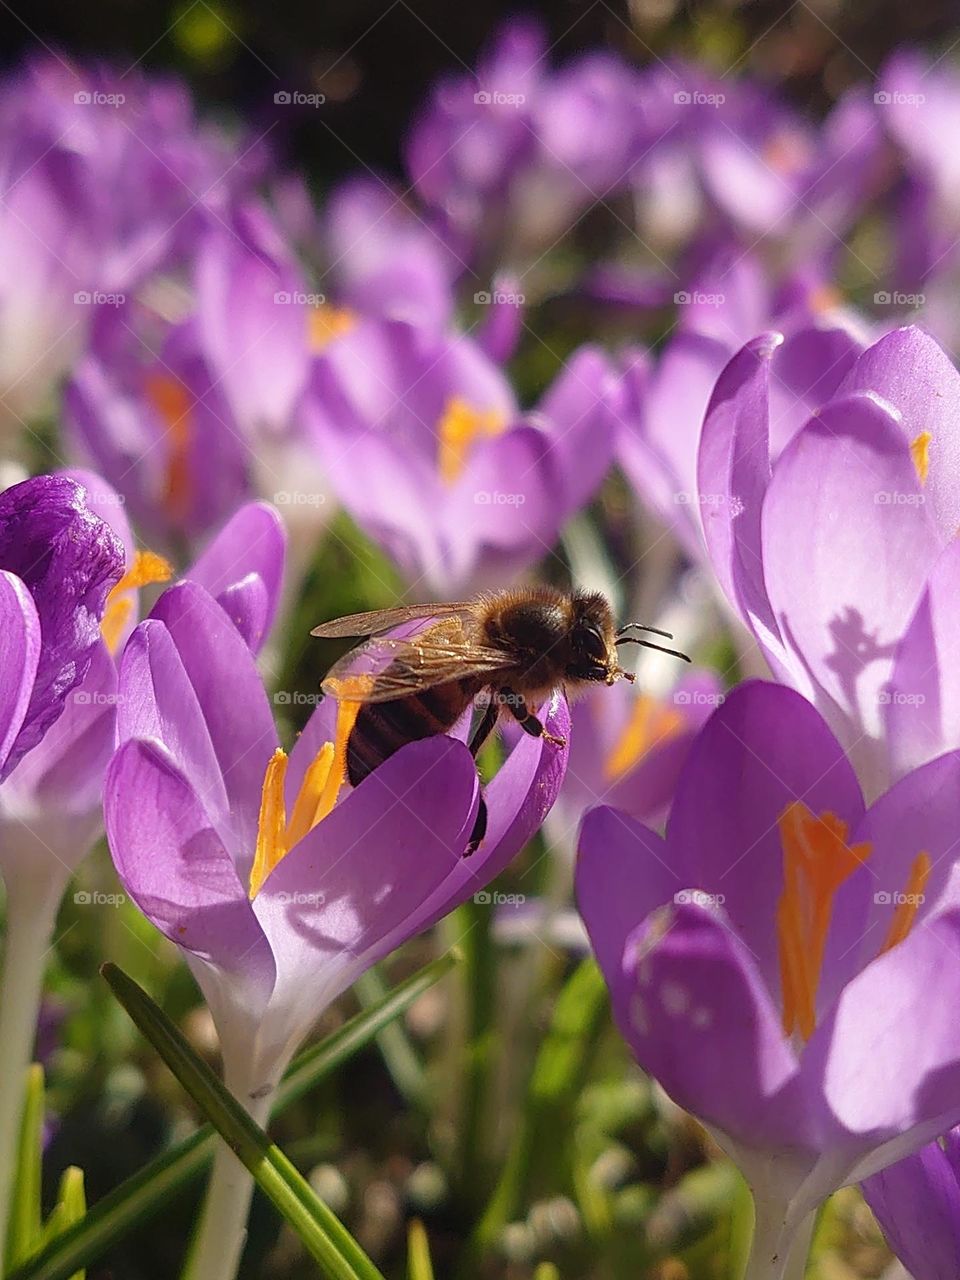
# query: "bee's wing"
{"points": [[369, 624], [385, 668]]}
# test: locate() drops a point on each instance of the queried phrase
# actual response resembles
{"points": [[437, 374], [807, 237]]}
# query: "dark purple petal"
{"points": [[917, 1204], [19, 656], [68, 559]]}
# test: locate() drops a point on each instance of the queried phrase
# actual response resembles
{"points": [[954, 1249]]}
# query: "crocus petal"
{"points": [[763, 749], [733, 472], [847, 546], [68, 559], [806, 372], [176, 868], [579, 410], [922, 700], [105, 502], [693, 1008], [914, 374], [242, 568], [917, 1204], [888, 1055], [19, 656], [623, 874], [234, 706], [350, 891]]}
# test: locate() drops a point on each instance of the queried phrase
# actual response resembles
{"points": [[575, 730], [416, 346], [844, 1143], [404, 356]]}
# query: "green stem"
{"points": [[31, 912], [223, 1228], [475, 921]]}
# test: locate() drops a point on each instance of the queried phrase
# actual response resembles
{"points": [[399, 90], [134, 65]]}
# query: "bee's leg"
{"points": [[525, 718], [484, 728], [479, 827]]}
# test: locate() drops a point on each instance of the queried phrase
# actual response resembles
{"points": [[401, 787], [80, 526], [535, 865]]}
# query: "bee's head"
{"points": [[593, 652]]}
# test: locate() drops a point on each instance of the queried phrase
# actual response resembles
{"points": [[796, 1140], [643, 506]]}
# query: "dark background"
{"points": [[374, 61]]}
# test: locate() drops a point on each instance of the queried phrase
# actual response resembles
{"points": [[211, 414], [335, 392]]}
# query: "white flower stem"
{"points": [[223, 1230], [32, 903], [781, 1242]]}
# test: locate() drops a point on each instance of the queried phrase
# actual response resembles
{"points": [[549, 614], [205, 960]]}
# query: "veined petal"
{"points": [[19, 656], [917, 1204]]}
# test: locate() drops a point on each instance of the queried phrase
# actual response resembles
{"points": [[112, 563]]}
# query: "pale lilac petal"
{"points": [[922, 701], [917, 1204], [19, 657], [242, 568], [174, 866]]}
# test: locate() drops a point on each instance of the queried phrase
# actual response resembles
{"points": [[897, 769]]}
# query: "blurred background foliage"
{"points": [[557, 1150]]}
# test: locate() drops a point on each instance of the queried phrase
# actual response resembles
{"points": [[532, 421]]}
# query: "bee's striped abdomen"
{"points": [[382, 728]]}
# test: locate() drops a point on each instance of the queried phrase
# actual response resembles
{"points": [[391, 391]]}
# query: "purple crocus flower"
{"points": [[59, 561], [279, 891], [917, 1204], [770, 958], [834, 543], [729, 299], [426, 447]]}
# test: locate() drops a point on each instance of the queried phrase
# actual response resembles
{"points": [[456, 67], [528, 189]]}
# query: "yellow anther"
{"points": [[146, 569], [174, 404], [316, 798], [908, 903], [326, 323], [272, 825], [650, 724], [920, 452], [816, 862], [459, 427]]}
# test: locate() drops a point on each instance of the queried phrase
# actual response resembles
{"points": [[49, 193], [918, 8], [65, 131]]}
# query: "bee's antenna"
{"points": [[639, 626], [648, 644]]}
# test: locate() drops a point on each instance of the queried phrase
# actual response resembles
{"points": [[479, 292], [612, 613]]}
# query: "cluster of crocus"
{"points": [[770, 958]]}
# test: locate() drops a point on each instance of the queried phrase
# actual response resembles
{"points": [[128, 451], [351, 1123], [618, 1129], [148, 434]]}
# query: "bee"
{"points": [[507, 651]]}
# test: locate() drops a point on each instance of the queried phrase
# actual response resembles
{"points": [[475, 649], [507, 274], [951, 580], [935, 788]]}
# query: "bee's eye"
{"points": [[591, 642]]}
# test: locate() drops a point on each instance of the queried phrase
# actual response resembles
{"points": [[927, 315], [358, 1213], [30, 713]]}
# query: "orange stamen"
{"points": [[174, 404], [909, 901], [920, 453], [316, 798], [650, 724], [816, 862], [146, 569], [326, 323], [458, 428]]}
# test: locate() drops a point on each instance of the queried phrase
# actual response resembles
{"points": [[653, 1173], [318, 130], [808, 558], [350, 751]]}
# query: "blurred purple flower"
{"points": [[426, 447], [836, 544], [770, 959]]}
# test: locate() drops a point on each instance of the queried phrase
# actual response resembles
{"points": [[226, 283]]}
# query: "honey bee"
{"points": [[506, 651]]}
